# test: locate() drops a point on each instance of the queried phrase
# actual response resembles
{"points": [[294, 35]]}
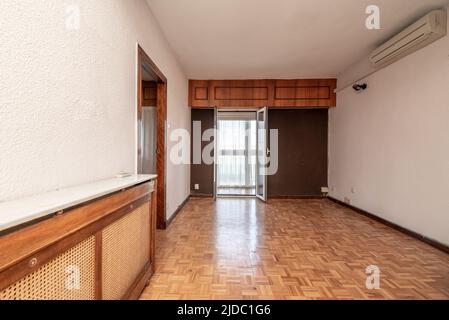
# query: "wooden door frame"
{"points": [[143, 58]]}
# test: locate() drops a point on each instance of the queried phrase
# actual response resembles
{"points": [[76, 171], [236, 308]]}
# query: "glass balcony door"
{"points": [[236, 156]]}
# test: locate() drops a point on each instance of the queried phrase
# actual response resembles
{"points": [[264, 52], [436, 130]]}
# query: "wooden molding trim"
{"points": [[144, 56], [280, 197], [201, 195], [273, 197], [161, 104], [431, 242], [175, 214], [298, 93]]}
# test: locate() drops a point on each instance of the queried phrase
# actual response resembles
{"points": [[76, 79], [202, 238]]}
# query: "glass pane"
{"points": [[261, 149], [149, 136], [236, 167]]}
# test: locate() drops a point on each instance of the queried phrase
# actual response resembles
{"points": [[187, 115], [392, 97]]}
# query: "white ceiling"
{"points": [[242, 39]]}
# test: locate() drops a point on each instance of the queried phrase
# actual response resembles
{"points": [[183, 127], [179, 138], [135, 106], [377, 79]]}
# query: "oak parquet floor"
{"points": [[289, 249]]}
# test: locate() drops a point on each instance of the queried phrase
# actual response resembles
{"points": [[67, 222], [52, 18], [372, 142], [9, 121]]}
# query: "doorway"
{"points": [[152, 127], [236, 153]]}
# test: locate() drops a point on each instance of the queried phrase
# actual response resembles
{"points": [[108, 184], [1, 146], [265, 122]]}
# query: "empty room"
{"points": [[252, 151]]}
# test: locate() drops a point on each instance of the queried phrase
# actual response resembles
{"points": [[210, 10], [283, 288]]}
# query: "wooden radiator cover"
{"points": [[103, 250]]}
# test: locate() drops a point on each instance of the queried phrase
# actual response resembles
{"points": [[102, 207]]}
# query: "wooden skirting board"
{"points": [[155, 93], [175, 214], [195, 195], [280, 197], [413, 234]]}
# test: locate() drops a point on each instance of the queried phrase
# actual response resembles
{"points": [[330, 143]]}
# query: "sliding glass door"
{"points": [[262, 154]]}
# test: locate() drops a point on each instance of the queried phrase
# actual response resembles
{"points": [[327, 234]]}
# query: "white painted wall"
{"points": [[391, 143], [68, 98]]}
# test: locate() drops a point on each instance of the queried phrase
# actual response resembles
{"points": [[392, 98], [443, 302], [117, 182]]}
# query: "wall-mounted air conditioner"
{"points": [[428, 29]]}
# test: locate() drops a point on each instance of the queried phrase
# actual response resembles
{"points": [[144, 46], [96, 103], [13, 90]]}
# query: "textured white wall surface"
{"points": [[68, 97], [391, 143]]}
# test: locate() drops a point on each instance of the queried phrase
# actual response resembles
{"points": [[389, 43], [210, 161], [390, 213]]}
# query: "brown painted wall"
{"points": [[202, 174], [303, 148], [303, 152]]}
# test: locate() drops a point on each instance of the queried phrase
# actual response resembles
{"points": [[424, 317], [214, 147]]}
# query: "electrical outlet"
{"points": [[353, 190], [197, 187]]}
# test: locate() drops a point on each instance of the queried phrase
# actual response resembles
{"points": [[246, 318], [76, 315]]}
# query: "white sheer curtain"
{"points": [[236, 153]]}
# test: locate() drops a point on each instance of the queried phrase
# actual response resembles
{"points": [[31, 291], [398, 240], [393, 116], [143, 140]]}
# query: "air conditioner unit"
{"points": [[428, 29]]}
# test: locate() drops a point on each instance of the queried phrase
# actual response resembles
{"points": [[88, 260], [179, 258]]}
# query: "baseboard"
{"points": [[431, 242], [201, 195], [280, 197], [274, 197], [140, 283], [170, 220]]}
